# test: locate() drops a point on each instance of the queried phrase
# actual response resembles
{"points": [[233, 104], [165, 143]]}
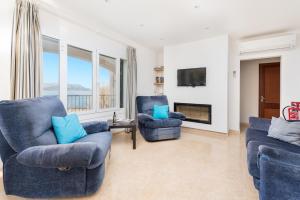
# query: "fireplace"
{"points": [[200, 113]]}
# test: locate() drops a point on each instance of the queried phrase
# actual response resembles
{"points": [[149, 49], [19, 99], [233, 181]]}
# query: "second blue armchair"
{"points": [[157, 129]]}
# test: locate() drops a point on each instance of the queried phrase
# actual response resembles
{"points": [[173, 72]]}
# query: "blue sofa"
{"points": [[35, 166], [154, 129], [274, 164]]}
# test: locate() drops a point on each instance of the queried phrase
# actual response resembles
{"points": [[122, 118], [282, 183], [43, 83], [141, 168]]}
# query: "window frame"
{"points": [[125, 68], [92, 110], [117, 87]]}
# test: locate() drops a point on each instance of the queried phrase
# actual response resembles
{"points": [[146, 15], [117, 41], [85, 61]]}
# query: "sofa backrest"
{"points": [[27, 123], [145, 104]]}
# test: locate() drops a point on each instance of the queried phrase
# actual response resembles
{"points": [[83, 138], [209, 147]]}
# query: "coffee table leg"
{"points": [[133, 135]]}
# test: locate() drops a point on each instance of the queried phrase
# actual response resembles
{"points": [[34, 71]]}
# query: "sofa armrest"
{"points": [[143, 118], [177, 115], [95, 127], [61, 156], [259, 123], [279, 174]]}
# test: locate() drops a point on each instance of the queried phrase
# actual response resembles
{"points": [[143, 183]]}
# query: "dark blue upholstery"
{"points": [[176, 115], [145, 104], [102, 141], [274, 164], [259, 123], [32, 159], [27, 123], [157, 129]]}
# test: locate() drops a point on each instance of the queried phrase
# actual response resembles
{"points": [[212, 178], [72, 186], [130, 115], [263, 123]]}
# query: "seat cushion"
{"points": [[163, 123], [252, 152], [103, 140], [27, 123]]}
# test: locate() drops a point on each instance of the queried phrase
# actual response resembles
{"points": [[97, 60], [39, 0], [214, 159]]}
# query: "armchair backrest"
{"points": [[145, 104], [27, 123]]}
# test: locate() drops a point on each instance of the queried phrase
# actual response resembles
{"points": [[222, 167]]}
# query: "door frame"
{"points": [[235, 107], [260, 89]]}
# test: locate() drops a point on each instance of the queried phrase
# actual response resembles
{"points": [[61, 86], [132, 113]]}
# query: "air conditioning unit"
{"points": [[268, 44]]}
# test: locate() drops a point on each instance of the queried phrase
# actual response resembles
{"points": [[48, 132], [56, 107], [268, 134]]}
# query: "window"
{"points": [[50, 70], [80, 80], [85, 85], [107, 82]]}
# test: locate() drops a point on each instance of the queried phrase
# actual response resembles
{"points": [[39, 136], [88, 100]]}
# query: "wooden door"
{"points": [[269, 90]]}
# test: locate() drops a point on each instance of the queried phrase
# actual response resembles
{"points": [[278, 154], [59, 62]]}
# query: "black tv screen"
{"points": [[191, 77]]}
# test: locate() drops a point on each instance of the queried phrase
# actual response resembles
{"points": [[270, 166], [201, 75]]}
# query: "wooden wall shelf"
{"points": [[158, 83]]}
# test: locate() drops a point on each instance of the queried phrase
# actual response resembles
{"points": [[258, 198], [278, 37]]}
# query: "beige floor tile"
{"points": [[200, 165]]}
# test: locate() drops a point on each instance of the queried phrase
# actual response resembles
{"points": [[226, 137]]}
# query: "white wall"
{"points": [[6, 17], [210, 53], [233, 85], [250, 87], [147, 60], [160, 57], [290, 62]]}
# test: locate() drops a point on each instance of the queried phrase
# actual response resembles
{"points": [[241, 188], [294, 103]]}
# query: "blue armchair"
{"points": [[154, 129], [35, 166]]}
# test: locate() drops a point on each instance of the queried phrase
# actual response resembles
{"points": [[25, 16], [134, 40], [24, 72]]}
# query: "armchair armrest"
{"points": [[177, 115], [259, 123], [279, 174], [143, 118], [84, 154], [95, 127]]}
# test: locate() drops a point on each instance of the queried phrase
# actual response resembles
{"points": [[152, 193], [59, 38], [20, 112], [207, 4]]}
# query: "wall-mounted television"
{"points": [[191, 77]]}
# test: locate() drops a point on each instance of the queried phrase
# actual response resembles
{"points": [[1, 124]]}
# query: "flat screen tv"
{"points": [[191, 77]]}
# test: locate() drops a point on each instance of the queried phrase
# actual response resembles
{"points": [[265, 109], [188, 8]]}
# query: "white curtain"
{"points": [[26, 51], [131, 83]]}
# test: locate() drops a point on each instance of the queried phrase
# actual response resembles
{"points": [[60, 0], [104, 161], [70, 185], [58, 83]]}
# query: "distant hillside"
{"points": [[73, 89]]}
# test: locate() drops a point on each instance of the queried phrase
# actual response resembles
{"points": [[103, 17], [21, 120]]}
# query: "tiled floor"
{"points": [[199, 166]]}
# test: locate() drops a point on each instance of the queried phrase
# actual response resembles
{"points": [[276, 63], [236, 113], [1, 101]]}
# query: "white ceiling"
{"points": [[163, 22]]}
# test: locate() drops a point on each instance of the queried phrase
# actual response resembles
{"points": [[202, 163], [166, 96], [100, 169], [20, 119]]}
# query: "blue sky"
{"points": [[51, 67], [79, 71]]}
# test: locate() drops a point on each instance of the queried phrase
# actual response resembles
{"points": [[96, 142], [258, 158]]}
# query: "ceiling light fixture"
{"points": [[197, 6], [141, 25]]}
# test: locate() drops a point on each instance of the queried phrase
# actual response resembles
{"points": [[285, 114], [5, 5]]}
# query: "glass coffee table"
{"points": [[131, 125]]}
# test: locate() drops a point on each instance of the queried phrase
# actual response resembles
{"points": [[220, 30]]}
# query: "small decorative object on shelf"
{"points": [[114, 118], [159, 80], [161, 68]]}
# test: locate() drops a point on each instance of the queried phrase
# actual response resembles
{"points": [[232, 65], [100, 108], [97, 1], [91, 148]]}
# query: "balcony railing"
{"points": [[106, 101], [84, 103], [80, 103]]}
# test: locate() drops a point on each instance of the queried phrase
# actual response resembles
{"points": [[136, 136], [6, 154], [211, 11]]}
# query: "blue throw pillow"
{"points": [[68, 129], [161, 112]]}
